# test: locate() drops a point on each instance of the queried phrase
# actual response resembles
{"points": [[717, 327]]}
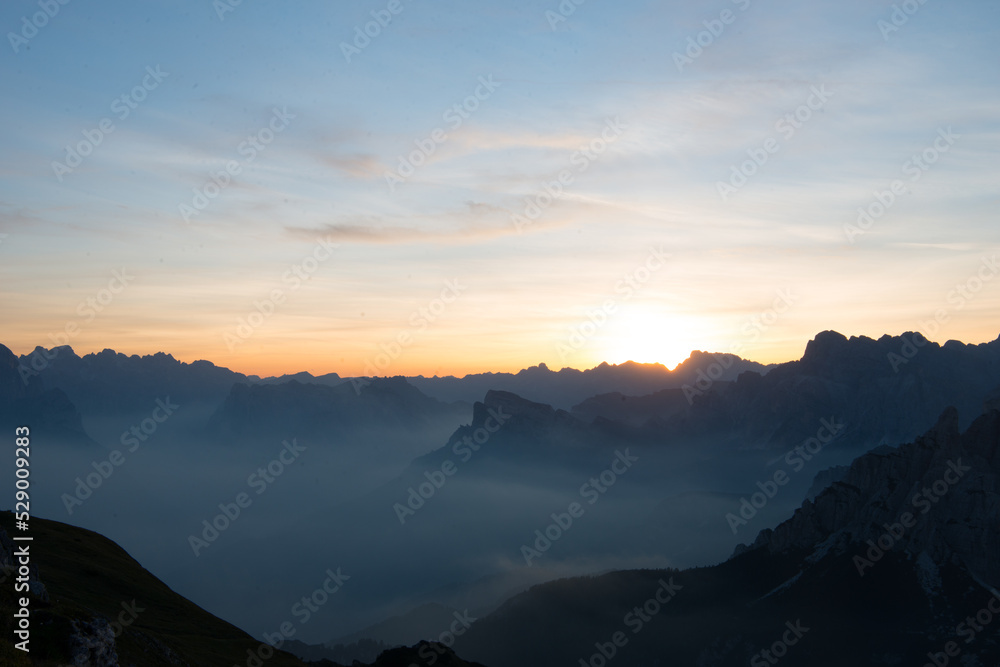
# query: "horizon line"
{"points": [[497, 372]]}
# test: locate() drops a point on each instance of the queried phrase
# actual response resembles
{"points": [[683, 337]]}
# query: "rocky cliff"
{"points": [[939, 496]]}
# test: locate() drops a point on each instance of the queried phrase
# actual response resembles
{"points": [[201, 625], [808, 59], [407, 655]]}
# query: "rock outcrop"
{"points": [[92, 644], [938, 496]]}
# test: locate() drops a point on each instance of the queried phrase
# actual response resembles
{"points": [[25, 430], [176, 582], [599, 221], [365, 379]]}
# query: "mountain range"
{"points": [[900, 556], [895, 564], [758, 487]]}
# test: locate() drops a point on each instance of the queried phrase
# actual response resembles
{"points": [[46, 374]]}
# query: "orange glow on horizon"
{"points": [[635, 340], [275, 365]]}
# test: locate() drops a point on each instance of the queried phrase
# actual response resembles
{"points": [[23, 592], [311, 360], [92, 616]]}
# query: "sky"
{"points": [[406, 187]]}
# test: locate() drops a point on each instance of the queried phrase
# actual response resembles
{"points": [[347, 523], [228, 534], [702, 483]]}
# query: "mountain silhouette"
{"points": [[25, 400], [568, 386], [861, 575], [886, 391]]}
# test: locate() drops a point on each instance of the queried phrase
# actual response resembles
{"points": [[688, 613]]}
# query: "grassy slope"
{"points": [[88, 575]]}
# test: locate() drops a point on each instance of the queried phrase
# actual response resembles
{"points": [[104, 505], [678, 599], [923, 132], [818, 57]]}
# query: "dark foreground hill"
{"points": [[103, 608], [92, 604], [896, 564]]}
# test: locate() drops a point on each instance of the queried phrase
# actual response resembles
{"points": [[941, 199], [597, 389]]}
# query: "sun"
{"points": [[649, 335]]}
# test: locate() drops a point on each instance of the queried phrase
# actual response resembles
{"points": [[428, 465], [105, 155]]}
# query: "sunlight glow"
{"points": [[650, 335]]}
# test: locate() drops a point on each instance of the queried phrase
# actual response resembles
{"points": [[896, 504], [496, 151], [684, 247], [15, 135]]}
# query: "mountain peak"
{"points": [[825, 344], [507, 407], [7, 357], [505, 402]]}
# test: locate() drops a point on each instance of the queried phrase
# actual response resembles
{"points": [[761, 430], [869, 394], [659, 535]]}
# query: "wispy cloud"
{"points": [[474, 222]]}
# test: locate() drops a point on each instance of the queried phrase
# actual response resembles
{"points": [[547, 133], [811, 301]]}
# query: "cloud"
{"points": [[379, 233], [473, 222], [359, 165]]}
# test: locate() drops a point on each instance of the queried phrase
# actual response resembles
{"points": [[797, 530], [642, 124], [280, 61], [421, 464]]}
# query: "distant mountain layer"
{"points": [[896, 564], [421, 623], [320, 412], [883, 391], [111, 382], [567, 387], [25, 400]]}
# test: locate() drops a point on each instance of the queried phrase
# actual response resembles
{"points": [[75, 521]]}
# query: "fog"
{"points": [[339, 503]]}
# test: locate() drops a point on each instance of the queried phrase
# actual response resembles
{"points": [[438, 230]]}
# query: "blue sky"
{"points": [[530, 294]]}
